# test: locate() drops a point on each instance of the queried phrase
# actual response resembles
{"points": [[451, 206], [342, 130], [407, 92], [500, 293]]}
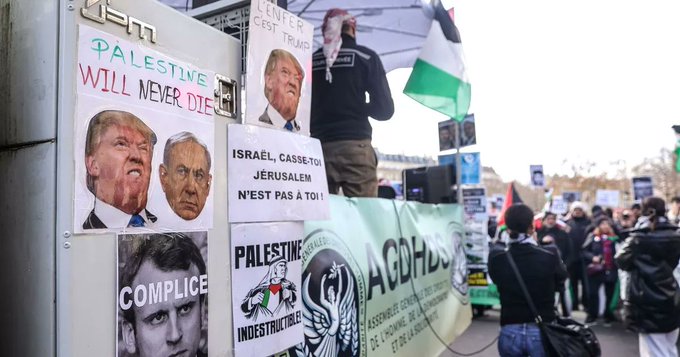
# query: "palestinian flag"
{"points": [[677, 147], [438, 80], [511, 197]]}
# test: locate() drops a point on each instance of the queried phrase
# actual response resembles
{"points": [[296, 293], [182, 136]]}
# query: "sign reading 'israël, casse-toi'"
{"points": [[275, 176]]}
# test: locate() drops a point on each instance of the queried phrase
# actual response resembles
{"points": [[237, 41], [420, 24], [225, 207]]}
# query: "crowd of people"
{"points": [[615, 266]]}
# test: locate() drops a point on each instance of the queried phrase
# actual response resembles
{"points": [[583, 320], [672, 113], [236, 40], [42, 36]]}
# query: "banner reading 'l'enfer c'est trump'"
{"points": [[382, 277]]}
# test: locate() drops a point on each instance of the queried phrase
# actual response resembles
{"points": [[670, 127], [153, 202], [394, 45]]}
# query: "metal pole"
{"points": [[459, 190]]}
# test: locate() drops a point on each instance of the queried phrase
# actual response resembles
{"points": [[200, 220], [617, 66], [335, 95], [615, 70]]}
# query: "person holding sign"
{"points": [[163, 287], [185, 174], [118, 152], [343, 72], [282, 84]]}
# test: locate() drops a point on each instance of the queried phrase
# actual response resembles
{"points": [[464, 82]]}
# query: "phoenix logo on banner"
{"points": [[331, 294]]}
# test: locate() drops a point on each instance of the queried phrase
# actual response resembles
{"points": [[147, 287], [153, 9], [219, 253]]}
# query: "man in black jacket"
{"points": [[559, 236], [578, 223], [652, 295], [342, 73], [552, 234]]}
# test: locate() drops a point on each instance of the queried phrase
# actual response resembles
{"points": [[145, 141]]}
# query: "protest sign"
{"points": [[266, 273], [274, 176], [476, 231], [495, 204], [474, 202], [477, 244], [279, 76], [471, 168], [642, 187], [162, 286], [607, 198], [537, 176], [571, 196], [144, 138], [559, 205], [468, 135], [447, 134], [375, 271]]}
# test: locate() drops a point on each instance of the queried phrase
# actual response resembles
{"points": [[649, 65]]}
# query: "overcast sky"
{"points": [[552, 80]]}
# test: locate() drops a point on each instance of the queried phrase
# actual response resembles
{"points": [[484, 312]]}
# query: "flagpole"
{"points": [[459, 190]]}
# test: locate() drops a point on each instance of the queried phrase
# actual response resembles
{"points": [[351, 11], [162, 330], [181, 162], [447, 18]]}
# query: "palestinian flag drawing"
{"points": [[438, 80]]}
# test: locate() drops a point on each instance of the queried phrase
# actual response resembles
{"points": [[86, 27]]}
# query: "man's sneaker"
{"points": [[591, 320]]}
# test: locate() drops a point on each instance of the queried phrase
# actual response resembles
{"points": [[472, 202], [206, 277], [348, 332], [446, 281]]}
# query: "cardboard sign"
{"points": [[275, 176]]}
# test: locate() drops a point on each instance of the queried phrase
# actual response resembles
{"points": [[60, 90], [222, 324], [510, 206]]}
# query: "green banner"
{"points": [[486, 295], [384, 278]]}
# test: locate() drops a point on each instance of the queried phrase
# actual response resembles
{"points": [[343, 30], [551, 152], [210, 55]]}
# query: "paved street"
{"points": [[615, 340]]}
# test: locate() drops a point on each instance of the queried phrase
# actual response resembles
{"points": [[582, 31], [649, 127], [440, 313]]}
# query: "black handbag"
{"points": [[562, 337]]}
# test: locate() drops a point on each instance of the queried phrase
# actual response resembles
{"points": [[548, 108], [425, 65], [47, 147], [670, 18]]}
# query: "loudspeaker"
{"points": [[430, 184]]}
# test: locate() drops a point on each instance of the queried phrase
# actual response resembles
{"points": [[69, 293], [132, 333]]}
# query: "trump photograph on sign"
{"points": [[283, 77], [279, 89], [134, 172], [140, 164], [118, 153], [162, 295]]}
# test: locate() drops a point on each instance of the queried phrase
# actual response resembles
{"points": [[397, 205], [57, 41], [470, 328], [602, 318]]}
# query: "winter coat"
{"points": [[577, 235], [653, 295], [595, 246], [543, 274], [561, 240]]}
